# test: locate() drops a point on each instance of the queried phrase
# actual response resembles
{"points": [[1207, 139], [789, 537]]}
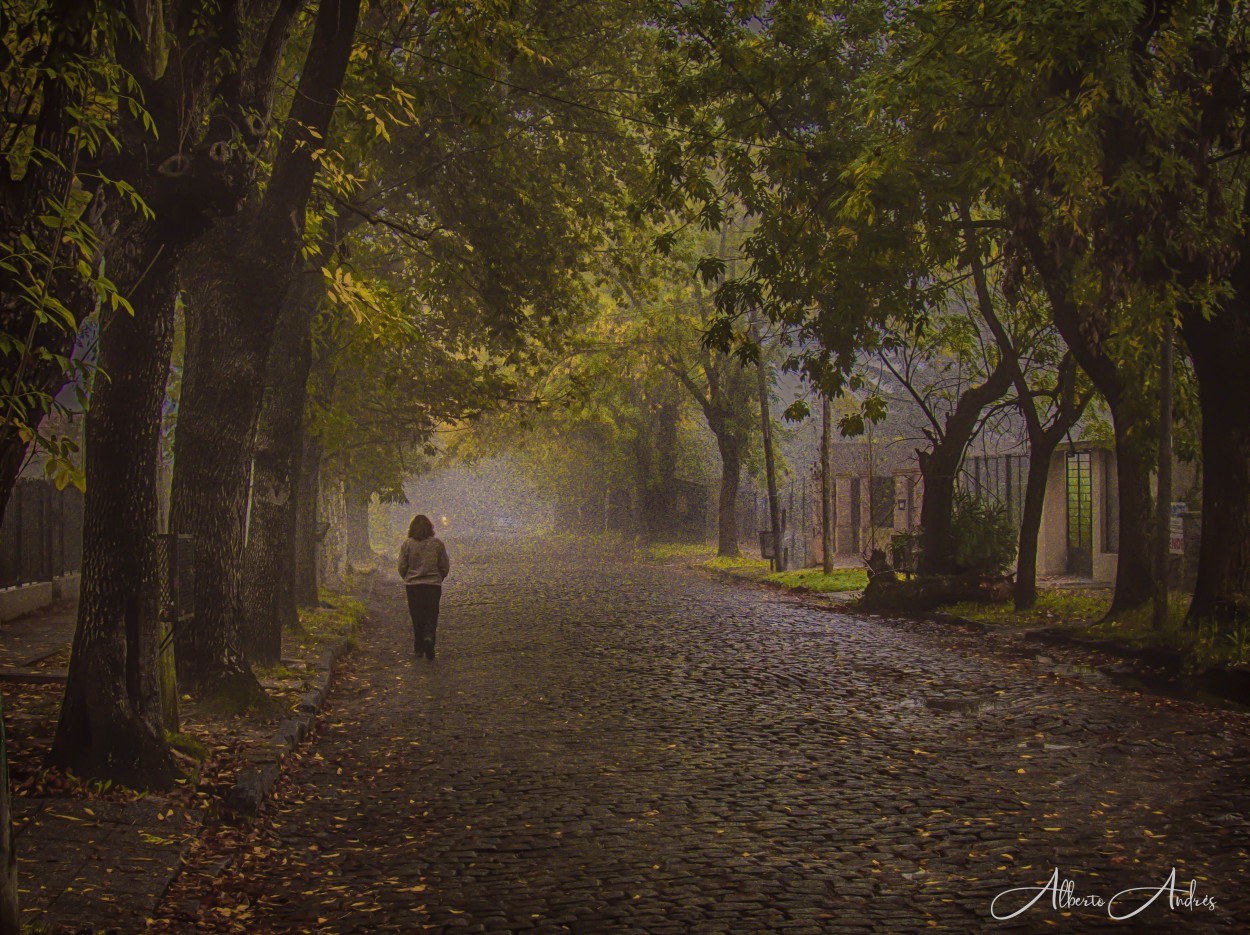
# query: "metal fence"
{"points": [[998, 479], [175, 557], [41, 537], [793, 499]]}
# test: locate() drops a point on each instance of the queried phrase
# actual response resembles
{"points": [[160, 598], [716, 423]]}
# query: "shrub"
{"points": [[985, 542]]}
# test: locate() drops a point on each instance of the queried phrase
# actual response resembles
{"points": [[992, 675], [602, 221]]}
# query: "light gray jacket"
{"points": [[423, 561]]}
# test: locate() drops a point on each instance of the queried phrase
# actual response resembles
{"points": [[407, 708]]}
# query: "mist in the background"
{"points": [[486, 499]]}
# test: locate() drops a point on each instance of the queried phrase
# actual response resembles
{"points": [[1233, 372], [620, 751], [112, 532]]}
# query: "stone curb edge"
{"points": [[254, 783]]}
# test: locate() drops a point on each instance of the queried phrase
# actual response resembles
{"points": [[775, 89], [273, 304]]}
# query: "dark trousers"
{"points": [[423, 608]]}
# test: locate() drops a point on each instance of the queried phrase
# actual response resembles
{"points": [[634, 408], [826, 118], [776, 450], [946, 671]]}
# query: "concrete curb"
{"points": [[34, 676], [254, 783], [33, 597]]}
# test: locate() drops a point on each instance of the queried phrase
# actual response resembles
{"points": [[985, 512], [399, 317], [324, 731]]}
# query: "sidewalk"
{"points": [[82, 863], [98, 859], [36, 647]]}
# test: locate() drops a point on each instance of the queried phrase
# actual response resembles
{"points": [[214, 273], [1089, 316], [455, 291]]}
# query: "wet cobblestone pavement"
{"points": [[625, 748]]}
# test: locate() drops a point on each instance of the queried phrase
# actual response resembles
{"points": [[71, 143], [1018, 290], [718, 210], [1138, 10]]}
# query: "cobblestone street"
{"points": [[629, 748]]}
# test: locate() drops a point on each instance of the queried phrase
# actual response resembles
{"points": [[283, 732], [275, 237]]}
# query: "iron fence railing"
{"points": [[175, 556]]}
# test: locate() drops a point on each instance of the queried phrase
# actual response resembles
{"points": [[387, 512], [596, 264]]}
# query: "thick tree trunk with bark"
{"points": [[1133, 584], [238, 283], [270, 558], [194, 169], [1220, 349], [233, 282], [939, 470], [1044, 438], [111, 723], [308, 482], [332, 547], [10, 908], [730, 448]]}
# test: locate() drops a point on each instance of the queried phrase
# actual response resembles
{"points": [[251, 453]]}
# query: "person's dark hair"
{"points": [[420, 527]]}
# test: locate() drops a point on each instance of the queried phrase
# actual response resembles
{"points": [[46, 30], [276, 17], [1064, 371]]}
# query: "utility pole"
{"points": [[774, 507], [826, 484], [1163, 491]]}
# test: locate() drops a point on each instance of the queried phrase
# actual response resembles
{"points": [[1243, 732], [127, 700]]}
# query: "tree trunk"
{"points": [[826, 486], [332, 547], [770, 472], [111, 718], [356, 501], [661, 498], [1081, 331], [1220, 349], [1133, 585], [1043, 440], [33, 373], [1163, 474], [238, 284], [306, 533], [938, 471], [1031, 523], [12, 454], [270, 558], [730, 448], [10, 910], [233, 281]]}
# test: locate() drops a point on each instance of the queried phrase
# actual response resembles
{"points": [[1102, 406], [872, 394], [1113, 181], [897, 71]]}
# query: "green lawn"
{"points": [[813, 579], [1080, 613], [1053, 609], [670, 552], [742, 563]]}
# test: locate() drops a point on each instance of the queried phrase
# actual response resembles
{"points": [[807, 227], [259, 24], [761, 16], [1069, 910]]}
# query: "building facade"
{"points": [[878, 496]]}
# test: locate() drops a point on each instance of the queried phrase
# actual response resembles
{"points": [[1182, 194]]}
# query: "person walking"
{"points": [[423, 564]]}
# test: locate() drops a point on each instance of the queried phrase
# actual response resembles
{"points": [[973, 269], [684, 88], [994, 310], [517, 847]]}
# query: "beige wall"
{"points": [[1052, 540], [1052, 546], [1104, 562], [910, 497], [842, 506]]}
